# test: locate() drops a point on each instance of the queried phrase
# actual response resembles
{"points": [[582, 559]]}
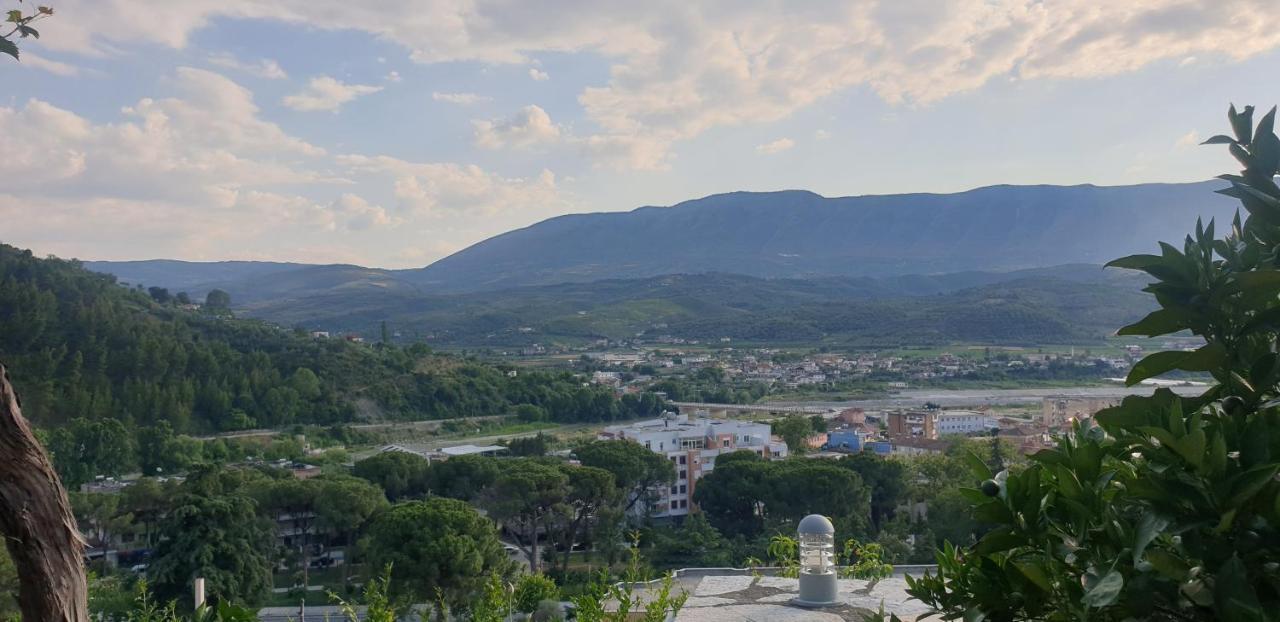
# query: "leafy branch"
{"points": [[22, 28]]}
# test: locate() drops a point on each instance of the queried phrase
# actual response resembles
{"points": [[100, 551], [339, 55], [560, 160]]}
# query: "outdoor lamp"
{"points": [[817, 569]]}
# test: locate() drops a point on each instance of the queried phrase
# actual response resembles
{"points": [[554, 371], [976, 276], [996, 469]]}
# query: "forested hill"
{"points": [[79, 346]]}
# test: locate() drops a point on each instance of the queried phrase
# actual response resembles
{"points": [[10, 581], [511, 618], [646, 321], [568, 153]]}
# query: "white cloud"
{"points": [[777, 146], [326, 93], [680, 68], [821, 135], [623, 151], [393, 76], [52, 66], [531, 126], [1190, 139], [462, 99], [538, 74], [200, 175], [438, 188], [263, 68]]}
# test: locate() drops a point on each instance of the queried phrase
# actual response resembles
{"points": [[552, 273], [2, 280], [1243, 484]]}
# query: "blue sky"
{"points": [[394, 133]]}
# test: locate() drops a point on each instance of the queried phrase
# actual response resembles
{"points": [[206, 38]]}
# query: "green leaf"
{"points": [[8, 47], [1148, 528], [28, 31], [1168, 564], [1207, 358], [15, 16], [976, 466], [1035, 573], [1220, 139], [1267, 124], [1106, 591], [1159, 322], [1233, 595], [998, 540], [1241, 123], [1136, 262], [1244, 486]]}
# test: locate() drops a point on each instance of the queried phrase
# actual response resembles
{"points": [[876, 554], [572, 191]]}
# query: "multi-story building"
{"points": [[1060, 410], [692, 445], [911, 423], [932, 424], [962, 422]]}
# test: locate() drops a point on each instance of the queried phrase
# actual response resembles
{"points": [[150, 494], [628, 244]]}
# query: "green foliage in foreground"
{"points": [[1168, 508]]}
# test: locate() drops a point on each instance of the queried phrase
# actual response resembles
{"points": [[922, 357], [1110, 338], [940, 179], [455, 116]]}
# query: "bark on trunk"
{"points": [[36, 522]]}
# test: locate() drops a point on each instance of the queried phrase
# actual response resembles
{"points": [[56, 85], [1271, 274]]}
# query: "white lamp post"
{"points": [[817, 568]]}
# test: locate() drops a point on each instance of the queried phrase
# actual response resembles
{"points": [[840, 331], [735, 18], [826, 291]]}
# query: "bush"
{"points": [[1169, 507], [532, 589]]}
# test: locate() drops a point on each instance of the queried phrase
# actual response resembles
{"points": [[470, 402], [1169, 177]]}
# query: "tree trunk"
{"points": [[37, 524]]}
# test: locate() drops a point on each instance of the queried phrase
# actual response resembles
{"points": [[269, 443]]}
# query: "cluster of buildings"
{"points": [[692, 445]]}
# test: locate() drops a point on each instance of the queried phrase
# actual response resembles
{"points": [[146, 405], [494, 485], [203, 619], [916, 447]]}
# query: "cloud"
{"points": [[52, 66], [438, 188], [623, 152], [678, 69], [393, 76], [462, 99], [777, 146], [531, 126], [1190, 139], [263, 68], [538, 74], [326, 93], [821, 135]]}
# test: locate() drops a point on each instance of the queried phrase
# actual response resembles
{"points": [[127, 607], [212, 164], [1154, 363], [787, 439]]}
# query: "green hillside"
{"points": [[80, 347], [1071, 304]]}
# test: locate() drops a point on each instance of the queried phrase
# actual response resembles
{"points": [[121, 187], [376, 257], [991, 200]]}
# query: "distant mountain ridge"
{"points": [[799, 234], [788, 234]]}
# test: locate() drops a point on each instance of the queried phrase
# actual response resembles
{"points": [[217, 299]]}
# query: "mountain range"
{"points": [[737, 253]]}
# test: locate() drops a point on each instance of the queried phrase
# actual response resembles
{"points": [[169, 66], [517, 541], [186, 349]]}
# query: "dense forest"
{"points": [[80, 346]]}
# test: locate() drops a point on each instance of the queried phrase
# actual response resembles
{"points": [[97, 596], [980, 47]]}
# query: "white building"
{"points": [[963, 422], [692, 446]]}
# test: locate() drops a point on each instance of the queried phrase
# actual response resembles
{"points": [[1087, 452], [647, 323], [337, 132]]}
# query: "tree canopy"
{"points": [[437, 543]]}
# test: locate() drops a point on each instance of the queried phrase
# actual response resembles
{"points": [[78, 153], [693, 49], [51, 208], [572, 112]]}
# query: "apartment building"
{"points": [[692, 444]]}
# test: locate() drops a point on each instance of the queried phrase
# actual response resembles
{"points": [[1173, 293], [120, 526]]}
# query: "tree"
{"points": [[523, 500], [400, 474], [528, 446], [159, 294], [463, 477], [36, 522], [795, 431], [218, 537], [885, 478], [695, 543], [146, 500], [298, 500], [85, 449], [636, 470], [345, 505], [217, 300], [182, 298], [1169, 507], [437, 543], [590, 490]]}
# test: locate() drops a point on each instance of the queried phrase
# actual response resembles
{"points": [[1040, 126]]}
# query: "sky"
{"points": [[393, 133]]}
